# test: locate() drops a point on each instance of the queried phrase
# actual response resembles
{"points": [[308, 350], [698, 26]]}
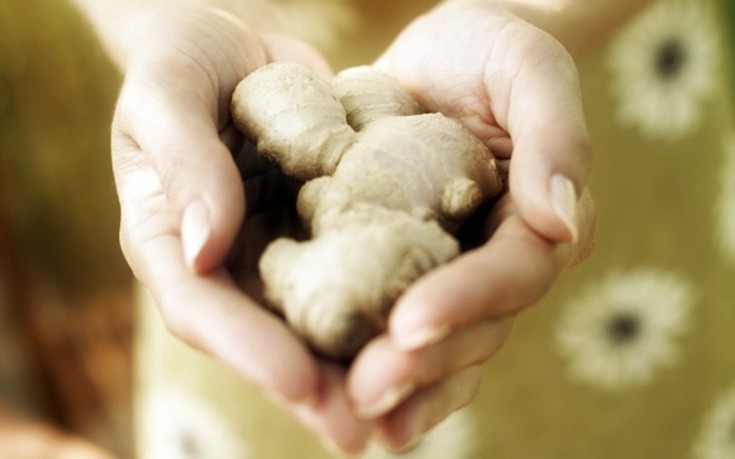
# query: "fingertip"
{"points": [[420, 338], [547, 197], [552, 151], [204, 245], [414, 334], [196, 230], [292, 376], [210, 223], [409, 326], [563, 200], [329, 415], [303, 390], [405, 428]]}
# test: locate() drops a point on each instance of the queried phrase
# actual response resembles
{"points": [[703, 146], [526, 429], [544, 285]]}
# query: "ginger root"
{"points": [[386, 185]]}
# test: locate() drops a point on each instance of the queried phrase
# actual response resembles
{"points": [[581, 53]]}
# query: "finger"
{"points": [[177, 126], [207, 311], [512, 271], [403, 428], [587, 218], [211, 314], [541, 109], [513, 86], [330, 417], [383, 375], [181, 140]]}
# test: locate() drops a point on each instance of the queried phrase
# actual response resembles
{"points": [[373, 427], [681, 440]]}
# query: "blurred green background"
{"points": [[64, 286], [728, 7]]}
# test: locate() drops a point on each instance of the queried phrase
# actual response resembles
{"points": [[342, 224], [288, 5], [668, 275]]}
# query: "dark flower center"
{"points": [[670, 59], [623, 329]]}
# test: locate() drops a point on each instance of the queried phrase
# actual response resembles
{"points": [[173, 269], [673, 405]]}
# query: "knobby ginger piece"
{"points": [[386, 185]]}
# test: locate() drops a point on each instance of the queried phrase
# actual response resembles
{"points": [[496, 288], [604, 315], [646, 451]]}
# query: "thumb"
{"points": [[176, 129], [551, 148]]}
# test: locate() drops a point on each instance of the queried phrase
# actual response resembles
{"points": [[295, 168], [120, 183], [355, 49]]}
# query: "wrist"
{"points": [[126, 26], [579, 25]]}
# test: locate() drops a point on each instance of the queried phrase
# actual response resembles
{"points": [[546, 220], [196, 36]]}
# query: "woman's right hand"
{"points": [[182, 202]]}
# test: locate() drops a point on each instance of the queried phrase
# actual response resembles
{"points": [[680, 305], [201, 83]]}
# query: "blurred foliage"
{"points": [[65, 284], [57, 196]]}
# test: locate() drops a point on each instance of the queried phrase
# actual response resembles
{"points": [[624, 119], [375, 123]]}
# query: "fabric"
{"points": [[630, 356]]}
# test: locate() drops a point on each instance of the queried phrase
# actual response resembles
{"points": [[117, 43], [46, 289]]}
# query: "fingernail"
{"points": [[412, 443], [416, 435], [388, 401], [195, 230], [284, 402], [336, 451], [564, 203], [422, 337]]}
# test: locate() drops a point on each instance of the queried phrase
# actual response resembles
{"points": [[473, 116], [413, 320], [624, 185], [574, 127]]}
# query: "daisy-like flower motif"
{"points": [[617, 333], [453, 438], [716, 439], [663, 67], [726, 203], [178, 425]]}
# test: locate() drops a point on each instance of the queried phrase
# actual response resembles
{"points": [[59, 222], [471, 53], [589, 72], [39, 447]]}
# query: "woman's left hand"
{"points": [[516, 88]]}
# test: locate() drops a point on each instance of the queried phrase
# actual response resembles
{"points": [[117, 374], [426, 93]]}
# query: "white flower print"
{"points": [[663, 67], [617, 333], [178, 425], [453, 438], [716, 439], [726, 203]]}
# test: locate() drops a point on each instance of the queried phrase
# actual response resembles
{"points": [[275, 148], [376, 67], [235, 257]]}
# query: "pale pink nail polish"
{"points": [[386, 402], [196, 228], [564, 203], [423, 337]]}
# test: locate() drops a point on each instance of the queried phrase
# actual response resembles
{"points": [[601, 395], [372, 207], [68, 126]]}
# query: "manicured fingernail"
{"points": [[422, 337], [386, 402], [195, 230], [284, 402], [335, 451], [416, 435], [564, 203], [413, 442]]}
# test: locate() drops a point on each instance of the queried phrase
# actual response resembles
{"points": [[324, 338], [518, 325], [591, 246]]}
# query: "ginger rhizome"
{"points": [[385, 187]]}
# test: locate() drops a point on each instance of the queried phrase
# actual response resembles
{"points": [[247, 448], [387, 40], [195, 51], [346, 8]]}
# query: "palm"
{"points": [[173, 147], [270, 203], [516, 89]]}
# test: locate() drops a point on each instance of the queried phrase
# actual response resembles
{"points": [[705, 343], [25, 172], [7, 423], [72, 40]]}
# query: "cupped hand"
{"points": [[516, 88], [175, 156]]}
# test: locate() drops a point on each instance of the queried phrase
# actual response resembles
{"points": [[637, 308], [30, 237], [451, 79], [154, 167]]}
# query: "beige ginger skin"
{"points": [[385, 187]]}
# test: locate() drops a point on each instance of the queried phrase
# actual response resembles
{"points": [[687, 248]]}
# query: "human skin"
{"points": [[182, 201]]}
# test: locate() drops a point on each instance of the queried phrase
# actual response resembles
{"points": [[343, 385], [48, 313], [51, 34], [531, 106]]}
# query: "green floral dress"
{"points": [[630, 356]]}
